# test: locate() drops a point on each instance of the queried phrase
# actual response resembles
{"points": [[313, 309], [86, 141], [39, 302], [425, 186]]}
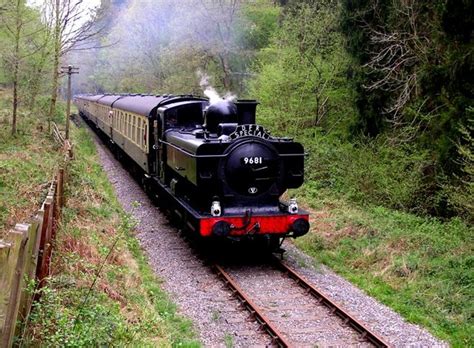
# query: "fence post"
{"points": [[18, 236], [59, 190], [42, 269], [7, 252], [31, 260]]}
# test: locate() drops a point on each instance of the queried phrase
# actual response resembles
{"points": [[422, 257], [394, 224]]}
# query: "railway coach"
{"points": [[218, 171]]}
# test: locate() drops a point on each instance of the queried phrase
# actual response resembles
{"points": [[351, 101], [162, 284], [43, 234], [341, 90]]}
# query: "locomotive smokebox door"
{"points": [[252, 168]]}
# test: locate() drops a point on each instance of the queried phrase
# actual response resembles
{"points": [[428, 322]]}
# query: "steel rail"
{"points": [[335, 307], [276, 336]]}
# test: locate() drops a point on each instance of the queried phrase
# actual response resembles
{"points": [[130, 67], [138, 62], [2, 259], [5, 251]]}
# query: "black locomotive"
{"points": [[218, 171]]}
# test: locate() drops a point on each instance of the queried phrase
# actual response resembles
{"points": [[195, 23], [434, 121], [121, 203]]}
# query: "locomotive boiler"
{"points": [[218, 171]]}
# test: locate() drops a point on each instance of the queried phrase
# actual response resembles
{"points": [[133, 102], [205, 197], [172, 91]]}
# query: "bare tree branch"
{"points": [[395, 57]]}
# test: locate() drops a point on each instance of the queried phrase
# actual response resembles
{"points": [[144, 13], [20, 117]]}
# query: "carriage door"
{"points": [[111, 123]]}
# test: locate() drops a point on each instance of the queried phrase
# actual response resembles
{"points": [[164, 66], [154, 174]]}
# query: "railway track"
{"points": [[280, 333]]}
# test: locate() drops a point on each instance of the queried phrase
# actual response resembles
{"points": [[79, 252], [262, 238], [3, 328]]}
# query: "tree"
{"points": [[71, 29], [307, 65], [23, 28]]}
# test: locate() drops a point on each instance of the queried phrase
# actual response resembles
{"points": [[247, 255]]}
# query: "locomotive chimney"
{"points": [[246, 110]]}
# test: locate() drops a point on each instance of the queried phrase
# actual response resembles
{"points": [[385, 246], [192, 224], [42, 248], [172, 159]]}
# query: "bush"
{"points": [[42, 107], [366, 172], [305, 84], [460, 192]]}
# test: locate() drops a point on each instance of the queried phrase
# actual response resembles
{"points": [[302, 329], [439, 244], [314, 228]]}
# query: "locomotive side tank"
{"points": [[219, 172]]}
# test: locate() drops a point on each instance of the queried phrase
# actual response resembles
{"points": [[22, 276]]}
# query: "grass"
{"points": [[421, 267], [125, 306], [27, 163]]}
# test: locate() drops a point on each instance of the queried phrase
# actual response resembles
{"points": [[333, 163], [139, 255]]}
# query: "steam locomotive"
{"points": [[218, 171]]}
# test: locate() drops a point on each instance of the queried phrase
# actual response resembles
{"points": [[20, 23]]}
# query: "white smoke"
{"points": [[211, 92], [230, 97]]}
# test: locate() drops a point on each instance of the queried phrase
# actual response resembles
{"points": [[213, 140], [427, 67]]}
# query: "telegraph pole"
{"points": [[69, 70]]}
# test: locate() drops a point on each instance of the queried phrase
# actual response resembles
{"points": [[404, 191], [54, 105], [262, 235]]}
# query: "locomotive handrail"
{"points": [[222, 155]]}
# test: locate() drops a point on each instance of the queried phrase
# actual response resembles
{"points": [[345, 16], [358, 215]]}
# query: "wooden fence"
{"points": [[25, 257]]}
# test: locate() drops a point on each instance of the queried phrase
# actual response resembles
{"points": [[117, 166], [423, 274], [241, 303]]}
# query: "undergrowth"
{"points": [[27, 163], [102, 291]]}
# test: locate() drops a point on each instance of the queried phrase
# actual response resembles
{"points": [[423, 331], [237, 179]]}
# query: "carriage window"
{"points": [[132, 135], [127, 125], [142, 132], [139, 132], [145, 136], [137, 139], [134, 128]]}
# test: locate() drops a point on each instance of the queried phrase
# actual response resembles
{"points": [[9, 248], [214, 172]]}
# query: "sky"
{"points": [[86, 5]]}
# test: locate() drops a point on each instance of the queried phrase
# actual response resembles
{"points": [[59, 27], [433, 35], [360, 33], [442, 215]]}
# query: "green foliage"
{"points": [[461, 191], [21, 25], [27, 162], [258, 25], [302, 76], [415, 60], [42, 110], [304, 73], [370, 172], [65, 325]]}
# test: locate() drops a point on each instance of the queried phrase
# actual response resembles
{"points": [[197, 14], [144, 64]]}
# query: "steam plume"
{"points": [[210, 91]]}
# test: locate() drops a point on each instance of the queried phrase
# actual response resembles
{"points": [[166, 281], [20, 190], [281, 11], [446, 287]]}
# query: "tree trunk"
{"points": [[54, 90], [16, 62], [15, 97], [226, 80], [57, 56]]}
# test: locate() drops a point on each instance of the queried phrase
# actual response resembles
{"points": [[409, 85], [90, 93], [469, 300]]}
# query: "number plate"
{"points": [[252, 160]]}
